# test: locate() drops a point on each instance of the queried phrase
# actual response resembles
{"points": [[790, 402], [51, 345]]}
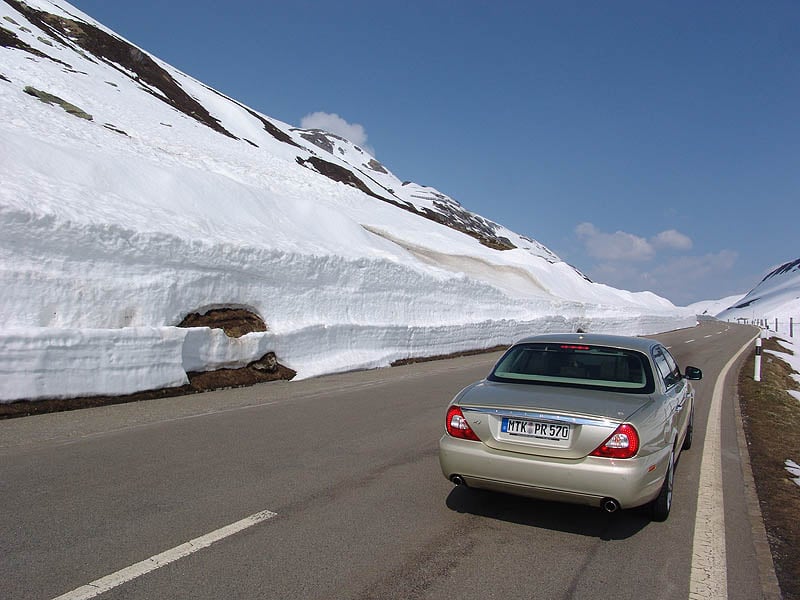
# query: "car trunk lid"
{"points": [[556, 421]]}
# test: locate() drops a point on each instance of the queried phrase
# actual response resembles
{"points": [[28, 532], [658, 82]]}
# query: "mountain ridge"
{"points": [[134, 62], [776, 296]]}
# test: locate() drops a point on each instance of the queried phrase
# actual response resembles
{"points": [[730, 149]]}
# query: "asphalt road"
{"points": [[348, 465]]}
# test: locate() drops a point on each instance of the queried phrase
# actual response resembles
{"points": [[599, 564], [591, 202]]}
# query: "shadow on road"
{"points": [[580, 520]]}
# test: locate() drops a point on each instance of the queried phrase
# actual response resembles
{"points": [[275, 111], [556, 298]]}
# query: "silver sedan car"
{"points": [[583, 418]]}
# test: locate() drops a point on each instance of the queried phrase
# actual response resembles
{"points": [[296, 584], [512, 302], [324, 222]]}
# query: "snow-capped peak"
{"points": [[776, 296]]}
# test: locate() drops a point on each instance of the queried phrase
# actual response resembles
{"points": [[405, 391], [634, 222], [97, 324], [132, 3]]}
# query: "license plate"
{"points": [[535, 429]]}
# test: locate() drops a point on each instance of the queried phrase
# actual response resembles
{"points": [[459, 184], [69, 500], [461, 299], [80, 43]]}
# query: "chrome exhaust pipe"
{"points": [[458, 480], [609, 505]]}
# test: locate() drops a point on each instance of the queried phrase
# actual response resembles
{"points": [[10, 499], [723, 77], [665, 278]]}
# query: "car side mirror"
{"points": [[693, 373]]}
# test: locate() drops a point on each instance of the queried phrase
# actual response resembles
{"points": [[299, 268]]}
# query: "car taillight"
{"points": [[457, 425], [623, 443]]}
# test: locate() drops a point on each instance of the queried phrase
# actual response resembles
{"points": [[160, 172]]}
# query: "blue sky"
{"points": [[653, 145]]}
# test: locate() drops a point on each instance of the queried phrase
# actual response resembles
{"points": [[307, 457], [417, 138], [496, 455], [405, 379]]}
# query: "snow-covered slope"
{"points": [[713, 307], [133, 195], [777, 296]]}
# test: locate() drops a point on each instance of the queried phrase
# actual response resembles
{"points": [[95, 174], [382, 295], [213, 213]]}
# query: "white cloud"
{"points": [[632, 262], [672, 240], [617, 246], [692, 269], [628, 247], [682, 279], [333, 123], [685, 279]]}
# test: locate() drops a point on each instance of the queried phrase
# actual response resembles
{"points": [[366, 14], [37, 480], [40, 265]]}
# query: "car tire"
{"points": [[663, 502], [687, 441]]}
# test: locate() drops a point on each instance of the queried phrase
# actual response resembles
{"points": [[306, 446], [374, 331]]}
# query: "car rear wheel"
{"points": [[663, 502]]}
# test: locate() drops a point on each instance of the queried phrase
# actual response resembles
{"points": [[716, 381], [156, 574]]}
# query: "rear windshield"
{"points": [[576, 365]]}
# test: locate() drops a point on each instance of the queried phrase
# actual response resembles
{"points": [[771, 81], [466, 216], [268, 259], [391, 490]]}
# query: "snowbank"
{"points": [[51, 362]]}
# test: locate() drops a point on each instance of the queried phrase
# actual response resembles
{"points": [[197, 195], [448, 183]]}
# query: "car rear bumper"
{"points": [[631, 482]]}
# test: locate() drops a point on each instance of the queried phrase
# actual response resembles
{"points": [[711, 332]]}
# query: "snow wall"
{"points": [[63, 363]]}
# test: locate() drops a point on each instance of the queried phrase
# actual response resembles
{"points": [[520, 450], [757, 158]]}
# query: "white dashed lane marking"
{"points": [[109, 582]]}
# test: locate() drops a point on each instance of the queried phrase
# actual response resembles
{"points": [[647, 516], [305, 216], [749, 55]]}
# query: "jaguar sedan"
{"points": [[582, 418]]}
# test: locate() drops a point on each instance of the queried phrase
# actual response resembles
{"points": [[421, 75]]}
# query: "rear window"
{"points": [[576, 365]]}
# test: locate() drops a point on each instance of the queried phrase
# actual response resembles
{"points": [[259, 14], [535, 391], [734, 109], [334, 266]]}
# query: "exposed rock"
{"points": [[319, 138], [788, 267], [420, 359], [255, 372], [449, 213], [268, 363], [340, 174], [115, 129], [119, 53], [376, 166], [269, 127], [9, 39], [51, 99], [235, 322], [263, 370]]}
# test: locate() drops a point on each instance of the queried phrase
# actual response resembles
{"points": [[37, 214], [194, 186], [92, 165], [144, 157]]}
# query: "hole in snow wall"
{"points": [[234, 321]]}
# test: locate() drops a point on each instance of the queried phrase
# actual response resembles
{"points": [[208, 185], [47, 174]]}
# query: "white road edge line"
{"points": [[709, 576], [109, 582]]}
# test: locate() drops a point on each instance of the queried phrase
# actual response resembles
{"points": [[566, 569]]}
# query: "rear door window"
{"points": [[667, 367]]}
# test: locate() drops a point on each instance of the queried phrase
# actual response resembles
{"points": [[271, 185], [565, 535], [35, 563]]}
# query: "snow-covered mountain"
{"points": [[711, 308], [777, 296], [134, 196]]}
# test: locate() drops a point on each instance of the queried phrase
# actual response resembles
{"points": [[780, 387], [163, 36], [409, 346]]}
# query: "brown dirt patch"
{"points": [[414, 360], [235, 322], [115, 51], [446, 214], [772, 425], [263, 370]]}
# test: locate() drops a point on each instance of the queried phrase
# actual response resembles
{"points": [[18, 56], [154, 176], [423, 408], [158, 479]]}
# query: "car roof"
{"points": [[593, 339]]}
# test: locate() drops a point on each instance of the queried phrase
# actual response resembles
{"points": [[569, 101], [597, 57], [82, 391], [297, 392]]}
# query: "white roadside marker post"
{"points": [[757, 375]]}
